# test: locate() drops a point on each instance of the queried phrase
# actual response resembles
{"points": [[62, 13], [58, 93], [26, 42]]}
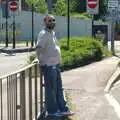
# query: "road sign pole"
{"points": [[14, 30], [92, 6], [92, 25], [13, 7], [112, 36], [6, 24]]}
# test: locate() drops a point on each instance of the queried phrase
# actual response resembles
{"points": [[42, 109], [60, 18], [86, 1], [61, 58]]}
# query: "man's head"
{"points": [[49, 21]]}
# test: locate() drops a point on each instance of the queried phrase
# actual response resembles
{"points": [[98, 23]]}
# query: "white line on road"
{"points": [[114, 103]]}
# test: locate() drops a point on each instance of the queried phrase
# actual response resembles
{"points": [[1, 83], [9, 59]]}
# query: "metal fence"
{"points": [[21, 94]]}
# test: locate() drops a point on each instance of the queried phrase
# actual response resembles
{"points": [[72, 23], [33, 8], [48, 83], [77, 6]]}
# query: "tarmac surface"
{"points": [[84, 84], [86, 87]]}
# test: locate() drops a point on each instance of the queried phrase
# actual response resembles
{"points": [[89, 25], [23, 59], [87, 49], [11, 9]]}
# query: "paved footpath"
{"points": [[86, 87]]}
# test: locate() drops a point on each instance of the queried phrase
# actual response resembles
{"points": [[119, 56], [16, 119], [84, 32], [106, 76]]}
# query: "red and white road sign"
{"points": [[92, 3], [13, 6], [92, 6]]}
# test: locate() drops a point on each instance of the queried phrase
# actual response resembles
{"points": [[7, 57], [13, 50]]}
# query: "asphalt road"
{"points": [[11, 63]]}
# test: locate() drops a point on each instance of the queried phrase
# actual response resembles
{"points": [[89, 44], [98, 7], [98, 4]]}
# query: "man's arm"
{"points": [[39, 50], [41, 43]]}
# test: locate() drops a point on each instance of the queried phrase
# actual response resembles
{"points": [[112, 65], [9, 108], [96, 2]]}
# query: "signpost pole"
{"points": [[92, 25], [13, 30], [92, 9], [13, 6], [113, 9], [6, 23], [112, 35]]}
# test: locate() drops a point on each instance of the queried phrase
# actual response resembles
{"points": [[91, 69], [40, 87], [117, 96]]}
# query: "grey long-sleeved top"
{"points": [[47, 48]]}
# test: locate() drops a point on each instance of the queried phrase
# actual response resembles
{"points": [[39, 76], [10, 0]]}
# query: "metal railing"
{"points": [[20, 94]]}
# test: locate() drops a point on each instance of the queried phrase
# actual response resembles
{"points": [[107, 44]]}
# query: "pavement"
{"points": [[19, 48], [85, 86]]}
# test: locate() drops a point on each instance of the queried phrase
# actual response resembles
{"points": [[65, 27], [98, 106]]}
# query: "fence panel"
{"points": [[20, 94]]}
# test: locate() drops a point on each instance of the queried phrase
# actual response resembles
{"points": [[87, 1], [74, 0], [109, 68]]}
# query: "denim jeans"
{"points": [[53, 90]]}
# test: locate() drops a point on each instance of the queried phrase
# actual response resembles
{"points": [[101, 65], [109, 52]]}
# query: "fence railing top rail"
{"points": [[18, 71]]}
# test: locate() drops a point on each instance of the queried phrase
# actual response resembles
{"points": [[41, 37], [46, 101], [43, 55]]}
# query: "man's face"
{"points": [[50, 22]]}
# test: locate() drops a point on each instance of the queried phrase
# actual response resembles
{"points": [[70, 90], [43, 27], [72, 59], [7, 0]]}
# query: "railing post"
{"points": [[1, 99], [36, 92], [30, 94], [41, 90], [22, 96]]}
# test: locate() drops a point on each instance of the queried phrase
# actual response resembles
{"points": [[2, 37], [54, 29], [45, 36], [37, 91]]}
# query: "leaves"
{"points": [[83, 50], [39, 5], [60, 8]]}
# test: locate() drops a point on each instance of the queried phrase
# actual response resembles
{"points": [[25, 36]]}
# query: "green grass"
{"points": [[80, 15]]}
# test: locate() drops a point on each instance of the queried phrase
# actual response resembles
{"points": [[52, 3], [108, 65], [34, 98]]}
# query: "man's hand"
{"points": [[35, 61]]}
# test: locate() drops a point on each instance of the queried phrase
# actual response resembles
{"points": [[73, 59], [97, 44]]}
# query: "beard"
{"points": [[51, 26]]}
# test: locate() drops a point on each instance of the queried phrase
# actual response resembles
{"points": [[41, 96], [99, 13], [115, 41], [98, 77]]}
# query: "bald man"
{"points": [[49, 55]]}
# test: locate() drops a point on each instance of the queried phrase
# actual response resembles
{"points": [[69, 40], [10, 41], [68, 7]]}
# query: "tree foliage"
{"points": [[73, 6], [60, 8], [81, 6], [102, 7], [39, 5]]}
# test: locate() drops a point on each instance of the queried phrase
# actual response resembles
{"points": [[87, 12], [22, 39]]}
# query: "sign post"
{"points": [[13, 7], [113, 10], [92, 8]]}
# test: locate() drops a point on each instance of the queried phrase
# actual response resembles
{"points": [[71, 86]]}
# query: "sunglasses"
{"points": [[51, 20]]}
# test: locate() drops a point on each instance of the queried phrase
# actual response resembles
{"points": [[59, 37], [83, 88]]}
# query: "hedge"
{"points": [[83, 50]]}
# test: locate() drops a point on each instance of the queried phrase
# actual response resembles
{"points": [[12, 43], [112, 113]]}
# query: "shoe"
{"points": [[67, 113], [57, 114]]}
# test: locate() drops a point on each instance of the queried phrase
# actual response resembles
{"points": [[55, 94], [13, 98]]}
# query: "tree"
{"points": [[81, 6], [39, 5], [60, 8], [73, 6], [102, 9]]}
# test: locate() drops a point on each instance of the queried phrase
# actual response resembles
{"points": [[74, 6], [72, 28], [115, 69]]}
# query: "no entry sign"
{"points": [[92, 3], [13, 6], [92, 6]]}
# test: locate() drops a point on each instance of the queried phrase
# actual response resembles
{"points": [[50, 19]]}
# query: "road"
{"points": [[11, 63]]}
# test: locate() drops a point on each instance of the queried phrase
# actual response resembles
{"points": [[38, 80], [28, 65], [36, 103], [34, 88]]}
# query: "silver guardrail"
{"points": [[20, 94]]}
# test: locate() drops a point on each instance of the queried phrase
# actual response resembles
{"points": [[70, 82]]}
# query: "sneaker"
{"points": [[67, 113]]}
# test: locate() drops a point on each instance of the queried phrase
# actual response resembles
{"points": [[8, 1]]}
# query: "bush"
{"points": [[82, 51]]}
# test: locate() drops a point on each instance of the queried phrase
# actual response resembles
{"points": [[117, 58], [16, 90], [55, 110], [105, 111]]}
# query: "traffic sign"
{"points": [[113, 3], [92, 6], [13, 6]]}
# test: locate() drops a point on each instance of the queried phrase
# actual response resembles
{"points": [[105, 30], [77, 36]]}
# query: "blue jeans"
{"points": [[53, 90]]}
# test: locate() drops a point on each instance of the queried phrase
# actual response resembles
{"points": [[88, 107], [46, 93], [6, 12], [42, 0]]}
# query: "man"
{"points": [[49, 55]]}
